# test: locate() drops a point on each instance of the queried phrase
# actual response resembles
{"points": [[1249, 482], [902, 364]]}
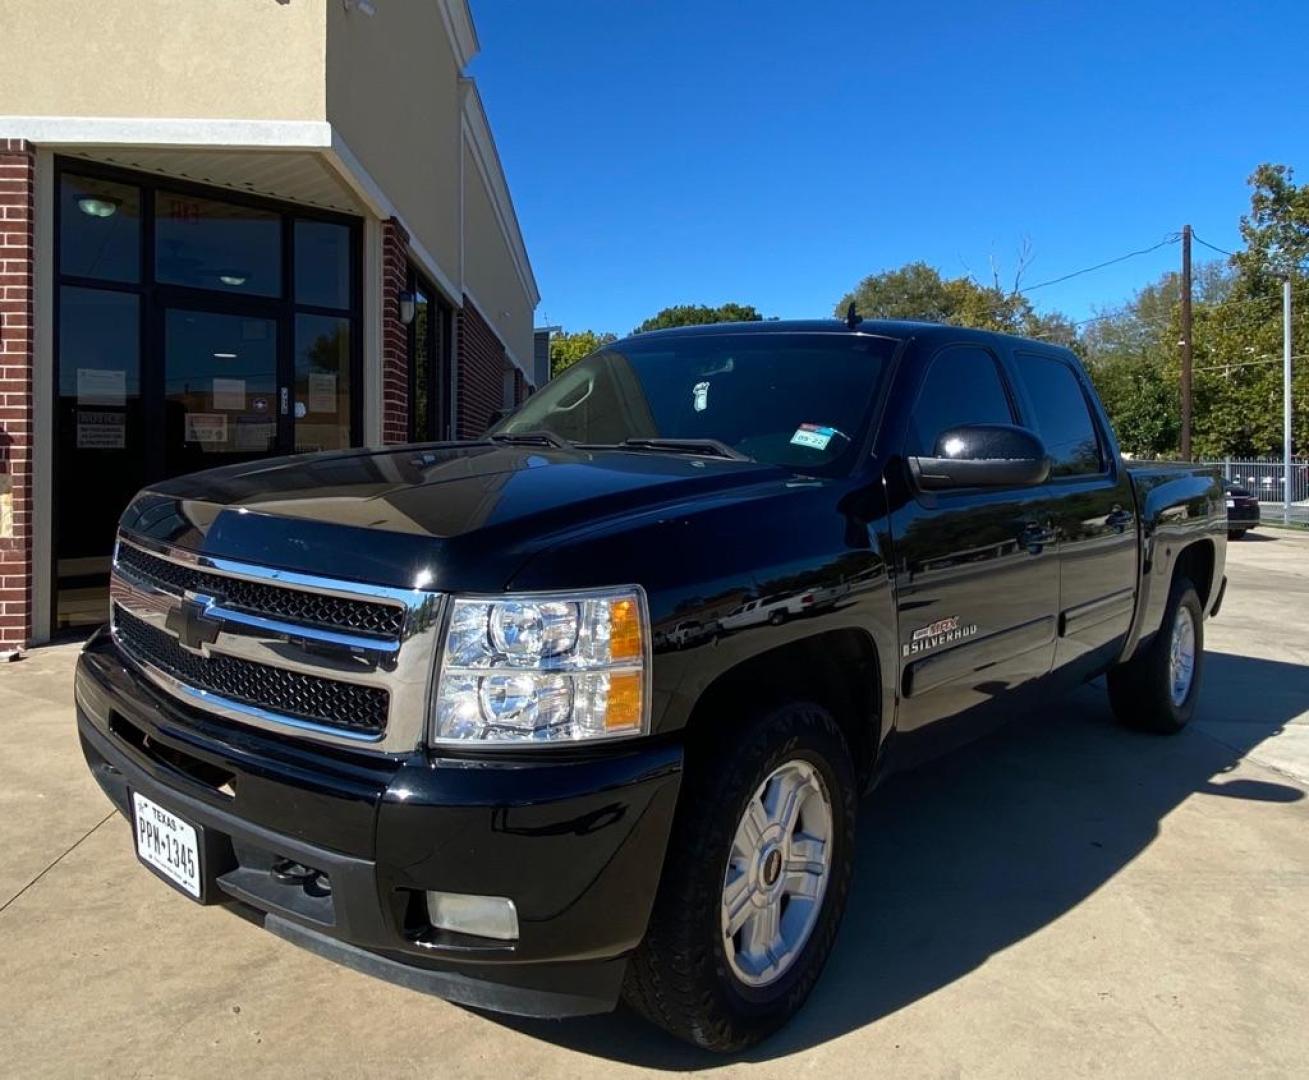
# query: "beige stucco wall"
{"points": [[238, 59], [393, 96], [489, 270]]}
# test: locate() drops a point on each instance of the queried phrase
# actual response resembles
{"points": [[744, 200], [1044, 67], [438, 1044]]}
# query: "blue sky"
{"points": [[774, 152]]}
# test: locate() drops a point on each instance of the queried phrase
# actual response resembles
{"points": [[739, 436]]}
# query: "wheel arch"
{"points": [[1196, 563], [838, 669]]}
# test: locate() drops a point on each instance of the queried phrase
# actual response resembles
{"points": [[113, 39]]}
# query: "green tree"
{"points": [[698, 315], [566, 349], [918, 291], [1238, 368]]}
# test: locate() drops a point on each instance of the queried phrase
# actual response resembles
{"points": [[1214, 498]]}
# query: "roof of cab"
{"points": [[892, 328]]}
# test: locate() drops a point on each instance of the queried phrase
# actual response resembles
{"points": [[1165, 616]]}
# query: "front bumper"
{"points": [[576, 842]]}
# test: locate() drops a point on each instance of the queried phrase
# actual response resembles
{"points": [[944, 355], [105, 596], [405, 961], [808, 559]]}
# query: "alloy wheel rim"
{"points": [[777, 873], [1181, 656]]}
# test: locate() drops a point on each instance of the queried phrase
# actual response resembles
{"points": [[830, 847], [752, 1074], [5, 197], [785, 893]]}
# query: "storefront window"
{"points": [[237, 337], [220, 387], [100, 229], [322, 383], [206, 244], [101, 450], [322, 264]]}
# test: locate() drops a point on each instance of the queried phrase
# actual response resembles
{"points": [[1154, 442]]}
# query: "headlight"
{"points": [[545, 668]]}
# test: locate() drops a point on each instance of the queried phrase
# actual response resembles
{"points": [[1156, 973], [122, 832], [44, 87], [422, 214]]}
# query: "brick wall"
{"points": [[395, 335], [480, 373], [17, 190]]}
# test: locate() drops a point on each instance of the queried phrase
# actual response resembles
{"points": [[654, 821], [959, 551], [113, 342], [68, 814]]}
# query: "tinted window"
{"points": [[1062, 418], [208, 244], [963, 387], [322, 264], [798, 400], [99, 229]]}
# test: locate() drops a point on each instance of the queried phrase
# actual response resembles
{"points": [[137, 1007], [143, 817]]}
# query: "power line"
{"points": [[1171, 238], [1303, 267], [1213, 247]]}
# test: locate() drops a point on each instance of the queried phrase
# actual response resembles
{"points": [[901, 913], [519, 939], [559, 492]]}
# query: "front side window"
{"points": [[962, 387], [1062, 417], [802, 401]]}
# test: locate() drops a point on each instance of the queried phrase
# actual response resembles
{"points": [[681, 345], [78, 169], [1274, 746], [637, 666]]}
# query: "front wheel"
{"points": [[755, 881], [1157, 689]]}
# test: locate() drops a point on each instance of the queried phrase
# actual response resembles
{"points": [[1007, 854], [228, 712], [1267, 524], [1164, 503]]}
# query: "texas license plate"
{"points": [[167, 843]]}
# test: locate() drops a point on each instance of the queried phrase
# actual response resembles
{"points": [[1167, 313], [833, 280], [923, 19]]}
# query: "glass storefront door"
{"points": [[221, 387], [194, 328]]}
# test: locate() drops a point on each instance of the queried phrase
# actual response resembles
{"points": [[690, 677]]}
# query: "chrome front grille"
{"points": [[305, 697], [313, 609], [336, 661]]}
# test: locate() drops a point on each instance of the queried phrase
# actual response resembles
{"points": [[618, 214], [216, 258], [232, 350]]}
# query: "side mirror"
{"points": [[982, 456]]}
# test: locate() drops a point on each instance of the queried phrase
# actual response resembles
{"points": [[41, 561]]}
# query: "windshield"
{"points": [[802, 401]]}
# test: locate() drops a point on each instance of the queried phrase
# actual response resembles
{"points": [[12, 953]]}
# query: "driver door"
{"points": [[976, 571]]}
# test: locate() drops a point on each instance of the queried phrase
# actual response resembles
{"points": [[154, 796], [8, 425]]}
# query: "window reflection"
{"points": [[322, 383], [100, 229], [101, 449], [207, 244], [322, 264], [220, 387]]}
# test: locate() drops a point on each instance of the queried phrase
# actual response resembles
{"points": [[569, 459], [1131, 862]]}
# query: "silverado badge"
{"points": [[941, 632]]}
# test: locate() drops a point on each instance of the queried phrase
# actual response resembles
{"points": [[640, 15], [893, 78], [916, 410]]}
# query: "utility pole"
{"points": [[1186, 342], [1286, 399]]}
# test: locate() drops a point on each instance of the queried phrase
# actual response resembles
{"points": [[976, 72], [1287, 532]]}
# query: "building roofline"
{"points": [[459, 27], [487, 157]]}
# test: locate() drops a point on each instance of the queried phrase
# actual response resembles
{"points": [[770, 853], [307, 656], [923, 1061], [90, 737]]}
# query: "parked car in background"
{"points": [[1242, 510], [403, 705]]}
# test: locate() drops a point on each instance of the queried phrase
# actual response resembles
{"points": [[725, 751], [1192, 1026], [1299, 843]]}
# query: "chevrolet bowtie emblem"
{"points": [[190, 622]]}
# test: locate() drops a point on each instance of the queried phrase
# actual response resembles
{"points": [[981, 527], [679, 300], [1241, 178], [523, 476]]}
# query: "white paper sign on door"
{"points": [[229, 394], [101, 386], [322, 392], [206, 428]]}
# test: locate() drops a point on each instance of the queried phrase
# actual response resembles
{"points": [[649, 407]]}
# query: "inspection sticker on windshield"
{"points": [[813, 436]]}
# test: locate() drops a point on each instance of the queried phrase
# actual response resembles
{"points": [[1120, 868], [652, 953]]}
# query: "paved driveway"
{"points": [[1062, 899]]}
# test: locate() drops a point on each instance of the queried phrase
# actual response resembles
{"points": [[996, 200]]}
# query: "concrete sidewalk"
{"points": [[1062, 899]]}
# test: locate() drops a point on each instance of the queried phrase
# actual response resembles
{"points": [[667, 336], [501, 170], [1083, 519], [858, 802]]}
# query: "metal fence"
{"points": [[1265, 479]]}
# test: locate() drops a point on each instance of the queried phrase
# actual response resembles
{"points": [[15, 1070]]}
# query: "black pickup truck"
{"points": [[583, 710]]}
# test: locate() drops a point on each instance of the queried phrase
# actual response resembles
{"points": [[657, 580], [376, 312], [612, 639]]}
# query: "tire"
{"points": [[688, 976], [777, 618], [1142, 692], [1235, 534]]}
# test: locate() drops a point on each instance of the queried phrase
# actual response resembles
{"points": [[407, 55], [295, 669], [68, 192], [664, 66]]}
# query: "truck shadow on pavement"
{"points": [[962, 858]]}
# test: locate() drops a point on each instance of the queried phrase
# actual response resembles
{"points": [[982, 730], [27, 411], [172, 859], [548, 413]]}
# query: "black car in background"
{"points": [[1242, 510]]}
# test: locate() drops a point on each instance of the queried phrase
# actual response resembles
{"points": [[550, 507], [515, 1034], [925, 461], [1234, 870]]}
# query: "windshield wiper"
{"points": [[529, 438], [708, 447]]}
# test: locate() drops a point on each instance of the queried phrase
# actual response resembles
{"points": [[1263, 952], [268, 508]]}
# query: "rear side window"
{"points": [[1063, 418], [963, 386]]}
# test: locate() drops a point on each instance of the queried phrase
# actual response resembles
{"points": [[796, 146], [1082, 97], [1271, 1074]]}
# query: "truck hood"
{"points": [[449, 516]]}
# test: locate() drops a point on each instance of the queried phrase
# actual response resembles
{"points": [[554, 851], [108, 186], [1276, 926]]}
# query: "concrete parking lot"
{"points": [[1064, 899]]}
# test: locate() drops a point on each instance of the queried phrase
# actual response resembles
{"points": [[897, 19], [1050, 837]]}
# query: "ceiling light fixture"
{"points": [[224, 356], [232, 277], [94, 206]]}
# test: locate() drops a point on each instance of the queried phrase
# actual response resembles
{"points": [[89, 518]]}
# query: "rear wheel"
{"points": [[755, 881], [1157, 689], [1235, 534]]}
